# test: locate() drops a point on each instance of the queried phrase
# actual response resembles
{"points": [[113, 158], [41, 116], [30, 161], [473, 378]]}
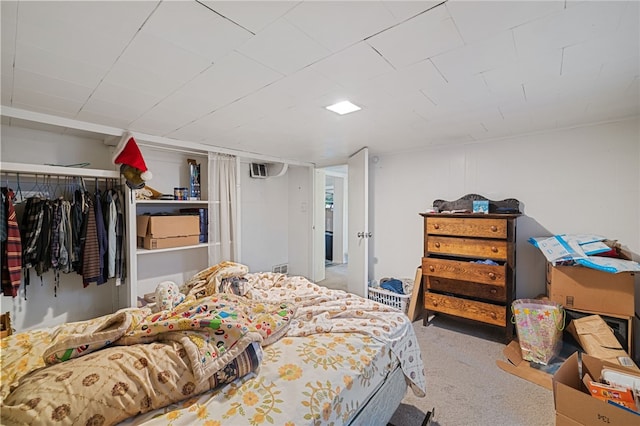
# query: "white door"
{"points": [[358, 222], [319, 226]]}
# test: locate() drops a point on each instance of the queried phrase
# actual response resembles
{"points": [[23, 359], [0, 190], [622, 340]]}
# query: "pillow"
{"points": [[115, 383], [105, 332], [207, 282]]}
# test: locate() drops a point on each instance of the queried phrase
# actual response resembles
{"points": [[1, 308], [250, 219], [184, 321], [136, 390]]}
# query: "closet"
{"points": [[71, 267]]}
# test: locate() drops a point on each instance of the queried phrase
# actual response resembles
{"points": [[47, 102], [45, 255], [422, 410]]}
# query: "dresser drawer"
{"points": [[464, 288], [486, 249], [467, 227], [471, 309], [465, 271]]}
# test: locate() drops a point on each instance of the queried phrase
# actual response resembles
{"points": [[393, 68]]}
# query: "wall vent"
{"points": [[280, 269], [258, 170]]}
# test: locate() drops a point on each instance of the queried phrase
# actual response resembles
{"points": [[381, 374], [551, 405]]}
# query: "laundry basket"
{"points": [[539, 325], [396, 300]]}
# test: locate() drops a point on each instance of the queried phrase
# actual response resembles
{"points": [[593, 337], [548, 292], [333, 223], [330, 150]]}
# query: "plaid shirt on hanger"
{"points": [[11, 248]]}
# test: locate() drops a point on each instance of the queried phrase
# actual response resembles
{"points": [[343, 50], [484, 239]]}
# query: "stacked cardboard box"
{"points": [[575, 405], [166, 231], [591, 291]]}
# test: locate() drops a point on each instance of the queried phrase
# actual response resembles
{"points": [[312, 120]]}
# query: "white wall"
{"points": [[301, 221], [264, 218], [276, 218], [581, 180]]}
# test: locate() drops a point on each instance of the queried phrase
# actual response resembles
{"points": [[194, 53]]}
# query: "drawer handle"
{"points": [[494, 249], [436, 281], [436, 226], [492, 275], [493, 291], [494, 228], [431, 268], [434, 303], [437, 245], [493, 315]]}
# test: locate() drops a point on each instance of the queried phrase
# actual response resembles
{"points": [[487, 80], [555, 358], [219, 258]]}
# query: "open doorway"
{"points": [[335, 215]]}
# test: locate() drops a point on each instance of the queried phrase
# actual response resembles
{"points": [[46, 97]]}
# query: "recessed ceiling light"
{"points": [[343, 107]]}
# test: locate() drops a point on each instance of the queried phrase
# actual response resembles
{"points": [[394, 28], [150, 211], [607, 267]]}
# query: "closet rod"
{"points": [[48, 176], [42, 170]]}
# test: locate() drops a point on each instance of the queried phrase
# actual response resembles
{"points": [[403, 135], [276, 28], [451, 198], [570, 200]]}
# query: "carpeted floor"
{"points": [[464, 384]]}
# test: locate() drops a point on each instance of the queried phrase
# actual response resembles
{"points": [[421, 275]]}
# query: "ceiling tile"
{"points": [[43, 101], [620, 48], [473, 58], [353, 66], [464, 93], [162, 121], [403, 10], [142, 80], [558, 89], [252, 15], [232, 116], [231, 78], [193, 27], [585, 21], [350, 21], [71, 42], [283, 47], [186, 106], [125, 110], [26, 80], [154, 54], [546, 64], [117, 20], [57, 66], [302, 85], [410, 79], [424, 36], [113, 119], [478, 19], [119, 112]]}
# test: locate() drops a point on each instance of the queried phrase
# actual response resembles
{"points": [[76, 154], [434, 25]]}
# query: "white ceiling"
{"points": [[255, 76]]}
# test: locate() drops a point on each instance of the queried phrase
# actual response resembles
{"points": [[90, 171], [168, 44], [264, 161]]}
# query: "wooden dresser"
{"points": [[454, 281]]}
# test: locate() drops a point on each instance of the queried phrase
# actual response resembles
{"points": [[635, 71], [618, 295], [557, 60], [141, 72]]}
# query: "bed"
{"points": [[226, 347]]}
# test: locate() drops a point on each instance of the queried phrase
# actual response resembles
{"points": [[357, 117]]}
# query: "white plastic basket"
{"points": [[396, 300]]}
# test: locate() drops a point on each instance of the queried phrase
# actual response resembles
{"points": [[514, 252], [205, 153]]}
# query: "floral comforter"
{"points": [[324, 352]]}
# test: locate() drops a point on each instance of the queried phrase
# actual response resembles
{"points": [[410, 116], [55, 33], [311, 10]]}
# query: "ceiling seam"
{"points": [[438, 69], [15, 52], [118, 58], [404, 21], [224, 17]]}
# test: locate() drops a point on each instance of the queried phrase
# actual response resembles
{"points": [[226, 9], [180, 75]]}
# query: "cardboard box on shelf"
{"points": [[577, 287], [597, 340], [574, 404], [166, 231]]}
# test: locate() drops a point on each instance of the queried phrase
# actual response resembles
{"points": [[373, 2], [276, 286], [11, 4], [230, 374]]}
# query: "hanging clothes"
{"points": [[101, 232], [90, 250], [120, 255], [11, 251], [110, 221], [3, 220], [64, 259], [44, 240], [79, 211]]}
